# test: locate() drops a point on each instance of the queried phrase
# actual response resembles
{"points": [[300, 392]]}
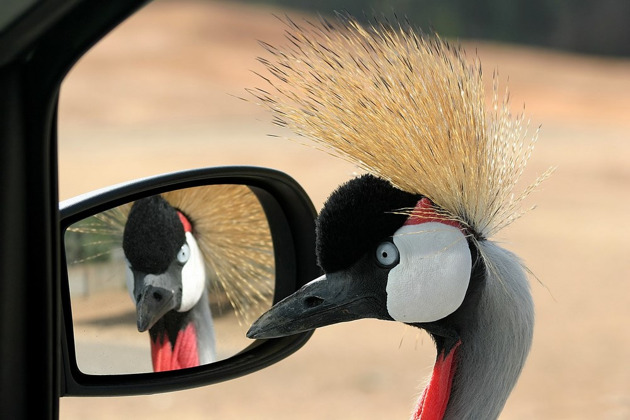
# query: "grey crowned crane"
{"points": [[166, 278], [182, 246], [410, 240]]}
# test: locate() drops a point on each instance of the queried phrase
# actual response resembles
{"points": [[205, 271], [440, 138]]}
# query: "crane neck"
{"points": [[178, 354], [181, 340], [474, 378]]}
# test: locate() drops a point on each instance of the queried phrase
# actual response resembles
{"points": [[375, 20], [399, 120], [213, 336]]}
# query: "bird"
{"points": [[410, 238], [180, 249], [167, 279]]}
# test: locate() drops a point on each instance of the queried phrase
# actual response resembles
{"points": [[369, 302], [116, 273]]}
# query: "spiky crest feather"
{"points": [[233, 235], [404, 107]]}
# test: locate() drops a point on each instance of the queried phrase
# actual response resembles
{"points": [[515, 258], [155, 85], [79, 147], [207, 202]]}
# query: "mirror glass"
{"points": [[169, 281]]}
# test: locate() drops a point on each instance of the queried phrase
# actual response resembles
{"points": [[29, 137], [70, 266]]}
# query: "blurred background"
{"points": [[163, 93]]}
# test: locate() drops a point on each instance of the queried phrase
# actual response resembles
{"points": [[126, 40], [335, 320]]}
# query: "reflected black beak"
{"points": [[153, 303], [330, 299]]}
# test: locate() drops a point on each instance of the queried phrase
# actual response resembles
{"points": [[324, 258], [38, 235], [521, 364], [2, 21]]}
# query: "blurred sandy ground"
{"points": [[160, 94]]}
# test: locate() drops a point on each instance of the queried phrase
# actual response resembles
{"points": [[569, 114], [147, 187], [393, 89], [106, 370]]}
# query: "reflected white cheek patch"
{"points": [[193, 276], [431, 280], [130, 281]]}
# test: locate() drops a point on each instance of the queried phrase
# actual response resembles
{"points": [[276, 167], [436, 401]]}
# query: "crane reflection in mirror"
{"points": [[198, 265], [409, 240]]}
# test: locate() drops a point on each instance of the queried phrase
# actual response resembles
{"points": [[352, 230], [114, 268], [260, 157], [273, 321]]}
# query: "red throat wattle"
{"points": [[183, 354], [432, 404]]}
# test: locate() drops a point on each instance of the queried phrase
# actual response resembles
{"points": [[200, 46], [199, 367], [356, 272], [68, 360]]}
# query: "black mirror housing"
{"points": [[290, 215]]}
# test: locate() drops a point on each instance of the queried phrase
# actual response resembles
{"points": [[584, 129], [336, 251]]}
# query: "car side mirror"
{"points": [[164, 275]]}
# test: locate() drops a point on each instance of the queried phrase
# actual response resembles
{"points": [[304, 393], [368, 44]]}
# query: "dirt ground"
{"points": [[161, 94]]}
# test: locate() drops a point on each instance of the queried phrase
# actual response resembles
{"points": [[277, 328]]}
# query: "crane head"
{"points": [[386, 254], [165, 269]]}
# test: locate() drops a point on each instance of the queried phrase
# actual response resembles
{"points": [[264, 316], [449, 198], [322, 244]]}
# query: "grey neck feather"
{"points": [[494, 350], [202, 319]]}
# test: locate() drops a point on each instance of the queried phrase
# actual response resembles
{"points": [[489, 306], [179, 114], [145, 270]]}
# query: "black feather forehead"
{"points": [[356, 216], [153, 235]]}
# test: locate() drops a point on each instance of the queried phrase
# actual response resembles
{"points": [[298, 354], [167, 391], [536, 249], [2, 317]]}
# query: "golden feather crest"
{"points": [[231, 229], [404, 107]]}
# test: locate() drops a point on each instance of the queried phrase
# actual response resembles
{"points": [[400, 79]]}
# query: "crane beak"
{"points": [[327, 300], [153, 304]]}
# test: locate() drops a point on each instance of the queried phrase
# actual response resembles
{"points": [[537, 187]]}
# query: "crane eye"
{"points": [[183, 254], [387, 255]]}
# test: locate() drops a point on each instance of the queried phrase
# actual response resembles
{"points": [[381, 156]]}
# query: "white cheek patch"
{"points": [[431, 280], [130, 281], [193, 276]]}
